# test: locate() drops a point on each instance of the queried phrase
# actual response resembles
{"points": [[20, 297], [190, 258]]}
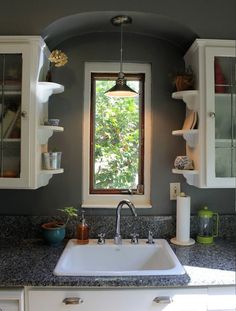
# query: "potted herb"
{"points": [[54, 231]]}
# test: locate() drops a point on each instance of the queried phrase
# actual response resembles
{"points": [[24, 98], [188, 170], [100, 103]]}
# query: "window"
{"points": [[116, 137]]}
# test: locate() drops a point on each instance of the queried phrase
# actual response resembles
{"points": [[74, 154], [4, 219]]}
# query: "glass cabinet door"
{"points": [[225, 116], [10, 114], [220, 117]]}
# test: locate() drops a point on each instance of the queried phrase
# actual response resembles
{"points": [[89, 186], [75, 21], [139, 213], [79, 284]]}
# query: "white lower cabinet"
{"points": [[221, 298], [169, 299], [11, 300]]}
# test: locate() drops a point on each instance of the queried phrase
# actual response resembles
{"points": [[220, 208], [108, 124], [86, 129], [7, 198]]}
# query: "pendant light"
{"points": [[121, 89]]}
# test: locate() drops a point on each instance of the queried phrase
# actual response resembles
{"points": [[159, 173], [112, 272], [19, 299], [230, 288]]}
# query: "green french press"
{"points": [[207, 226]]}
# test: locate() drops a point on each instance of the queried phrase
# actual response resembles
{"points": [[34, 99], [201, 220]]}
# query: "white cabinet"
{"points": [[177, 299], [23, 109], [212, 146], [11, 300], [221, 298]]}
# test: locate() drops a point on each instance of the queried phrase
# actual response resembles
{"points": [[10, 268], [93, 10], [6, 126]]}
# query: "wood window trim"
{"points": [[113, 76]]}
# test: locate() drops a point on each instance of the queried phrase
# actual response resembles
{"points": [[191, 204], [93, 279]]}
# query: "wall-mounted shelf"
{"points": [[45, 175], [191, 136], [52, 172], [189, 97], [46, 131], [191, 176], [46, 89]]}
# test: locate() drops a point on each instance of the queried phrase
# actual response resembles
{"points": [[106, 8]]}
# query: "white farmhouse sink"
{"points": [[118, 260]]}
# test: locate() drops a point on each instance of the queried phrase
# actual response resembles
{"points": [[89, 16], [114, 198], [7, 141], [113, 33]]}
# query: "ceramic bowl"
{"points": [[183, 163], [52, 122]]}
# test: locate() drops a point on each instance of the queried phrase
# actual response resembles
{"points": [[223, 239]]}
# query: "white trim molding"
{"points": [[108, 200]]}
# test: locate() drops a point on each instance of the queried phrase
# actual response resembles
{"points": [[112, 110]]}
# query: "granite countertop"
{"points": [[31, 263]]}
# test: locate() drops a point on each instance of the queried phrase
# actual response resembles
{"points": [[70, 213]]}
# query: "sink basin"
{"points": [[118, 260]]}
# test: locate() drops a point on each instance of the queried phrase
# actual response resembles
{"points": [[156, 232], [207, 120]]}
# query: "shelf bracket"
{"points": [[189, 97]]}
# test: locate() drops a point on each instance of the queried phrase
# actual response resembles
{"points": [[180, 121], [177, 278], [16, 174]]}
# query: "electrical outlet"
{"points": [[174, 190]]}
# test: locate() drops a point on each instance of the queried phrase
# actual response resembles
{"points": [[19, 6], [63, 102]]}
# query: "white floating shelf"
{"points": [[191, 172], [191, 136], [46, 89], [51, 127], [52, 172], [189, 97], [53, 87], [45, 175], [46, 131], [191, 176]]}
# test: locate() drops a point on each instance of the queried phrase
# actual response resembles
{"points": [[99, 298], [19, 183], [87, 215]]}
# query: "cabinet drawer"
{"points": [[11, 300], [118, 300]]}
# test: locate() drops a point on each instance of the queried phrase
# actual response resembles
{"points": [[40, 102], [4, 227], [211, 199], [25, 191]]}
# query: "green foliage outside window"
{"points": [[116, 141]]}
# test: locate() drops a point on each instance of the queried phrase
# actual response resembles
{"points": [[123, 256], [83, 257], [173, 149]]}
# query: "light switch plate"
{"points": [[174, 190]]}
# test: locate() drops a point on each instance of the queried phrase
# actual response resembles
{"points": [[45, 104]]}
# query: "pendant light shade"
{"points": [[121, 89]]}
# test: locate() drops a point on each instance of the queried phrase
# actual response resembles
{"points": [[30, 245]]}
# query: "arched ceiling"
{"points": [[154, 25]]}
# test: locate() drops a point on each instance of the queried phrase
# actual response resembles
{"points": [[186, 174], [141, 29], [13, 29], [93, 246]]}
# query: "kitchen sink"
{"points": [[118, 260]]}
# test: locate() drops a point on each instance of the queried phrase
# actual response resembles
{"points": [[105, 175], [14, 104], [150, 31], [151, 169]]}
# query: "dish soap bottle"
{"points": [[82, 231]]}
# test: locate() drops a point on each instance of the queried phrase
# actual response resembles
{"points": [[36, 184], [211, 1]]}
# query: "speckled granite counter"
{"points": [[31, 263]]}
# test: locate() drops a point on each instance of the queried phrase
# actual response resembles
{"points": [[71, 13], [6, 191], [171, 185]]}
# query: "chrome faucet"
{"points": [[117, 238]]}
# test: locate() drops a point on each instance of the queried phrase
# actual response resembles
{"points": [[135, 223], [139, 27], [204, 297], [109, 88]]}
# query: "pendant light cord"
{"points": [[121, 47]]}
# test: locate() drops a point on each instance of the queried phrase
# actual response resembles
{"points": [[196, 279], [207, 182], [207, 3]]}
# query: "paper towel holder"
{"points": [[182, 243], [180, 211]]}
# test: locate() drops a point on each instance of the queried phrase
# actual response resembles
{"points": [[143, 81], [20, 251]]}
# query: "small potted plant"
{"points": [[184, 80], [54, 231]]}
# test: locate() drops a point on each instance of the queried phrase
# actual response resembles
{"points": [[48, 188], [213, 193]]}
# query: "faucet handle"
{"points": [[134, 238], [101, 238], [150, 238]]}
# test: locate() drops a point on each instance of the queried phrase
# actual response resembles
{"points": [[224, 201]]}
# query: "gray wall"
{"points": [[207, 19], [167, 114]]}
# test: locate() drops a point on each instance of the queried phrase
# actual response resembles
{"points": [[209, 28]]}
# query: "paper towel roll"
{"points": [[183, 206], [183, 218]]}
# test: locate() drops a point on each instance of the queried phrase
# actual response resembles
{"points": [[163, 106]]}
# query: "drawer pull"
{"points": [[163, 299], [73, 301]]}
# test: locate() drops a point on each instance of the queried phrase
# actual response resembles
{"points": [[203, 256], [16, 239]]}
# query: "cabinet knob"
{"points": [[212, 115], [23, 114], [163, 299], [72, 301]]}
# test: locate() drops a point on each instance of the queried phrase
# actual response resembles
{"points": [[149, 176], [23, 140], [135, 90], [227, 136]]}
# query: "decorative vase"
{"points": [[53, 232]]}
